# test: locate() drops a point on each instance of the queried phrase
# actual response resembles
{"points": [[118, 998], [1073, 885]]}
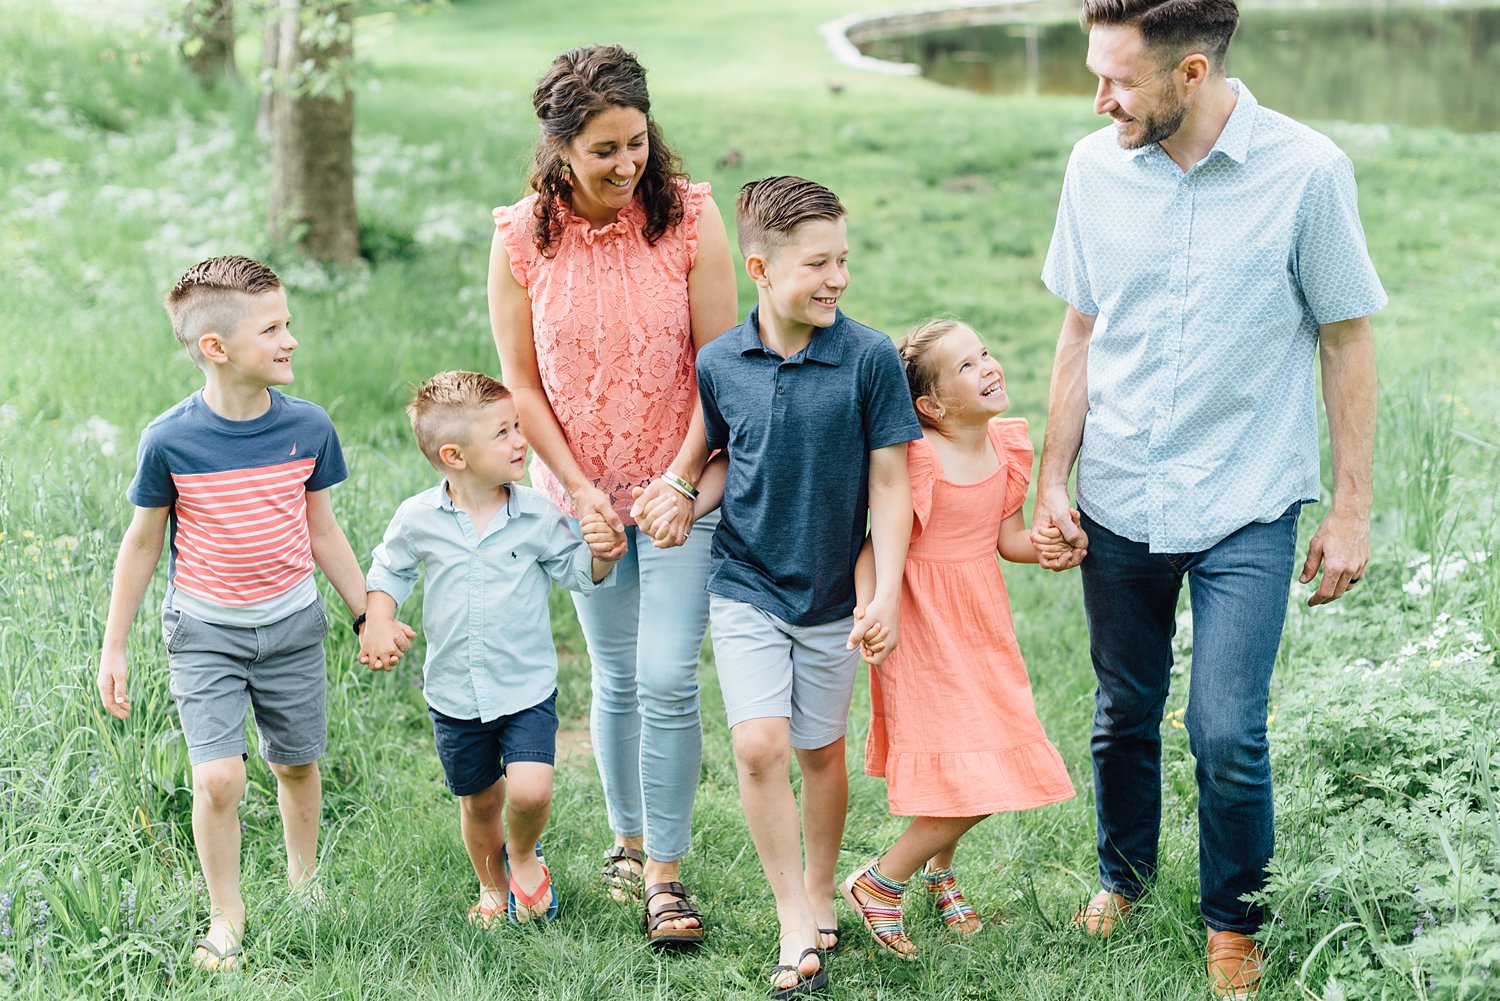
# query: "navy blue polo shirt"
{"points": [[799, 432]]}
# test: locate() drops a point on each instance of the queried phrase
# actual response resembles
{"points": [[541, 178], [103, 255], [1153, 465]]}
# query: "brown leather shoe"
{"points": [[1234, 964], [1101, 914]]}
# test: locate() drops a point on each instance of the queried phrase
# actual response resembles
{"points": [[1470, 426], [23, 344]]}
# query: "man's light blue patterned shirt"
{"points": [[1208, 288], [484, 613]]}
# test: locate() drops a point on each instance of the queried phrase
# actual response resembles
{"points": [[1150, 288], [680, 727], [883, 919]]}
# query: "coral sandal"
{"points": [[952, 907], [882, 915]]}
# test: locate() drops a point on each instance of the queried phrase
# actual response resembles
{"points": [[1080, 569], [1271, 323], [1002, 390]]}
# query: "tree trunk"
{"points": [[270, 52], [312, 148], [208, 39]]}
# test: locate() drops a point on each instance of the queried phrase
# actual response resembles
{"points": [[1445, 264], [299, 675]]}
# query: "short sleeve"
{"points": [[1332, 263], [515, 224], [330, 467], [715, 429], [152, 485], [888, 413], [1066, 271], [921, 465], [1014, 446], [692, 207]]}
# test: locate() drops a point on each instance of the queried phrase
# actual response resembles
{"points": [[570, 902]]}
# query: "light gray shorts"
{"points": [[217, 672], [769, 667]]}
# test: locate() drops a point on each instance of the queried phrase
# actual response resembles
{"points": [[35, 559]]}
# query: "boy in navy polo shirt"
{"points": [[241, 473], [813, 412]]}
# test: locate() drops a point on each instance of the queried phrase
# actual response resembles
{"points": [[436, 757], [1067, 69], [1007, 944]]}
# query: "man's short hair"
{"points": [[769, 210], [443, 409], [212, 296], [1172, 28]]}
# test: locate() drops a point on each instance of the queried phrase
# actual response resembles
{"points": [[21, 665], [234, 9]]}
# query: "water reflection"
{"points": [[1414, 66]]}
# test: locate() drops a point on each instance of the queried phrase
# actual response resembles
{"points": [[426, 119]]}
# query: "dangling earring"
{"points": [[567, 171]]}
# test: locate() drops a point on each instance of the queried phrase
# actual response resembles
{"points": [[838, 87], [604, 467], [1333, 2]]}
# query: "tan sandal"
{"points": [[1102, 914]]}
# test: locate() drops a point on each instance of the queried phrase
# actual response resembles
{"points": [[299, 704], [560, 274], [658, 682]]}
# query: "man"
{"points": [[1207, 248]]}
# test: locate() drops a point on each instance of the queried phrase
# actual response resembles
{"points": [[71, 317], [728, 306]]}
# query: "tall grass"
{"points": [[120, 173]]}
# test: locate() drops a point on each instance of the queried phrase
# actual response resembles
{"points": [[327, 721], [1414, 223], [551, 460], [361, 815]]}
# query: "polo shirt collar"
{"points": [[1234, 139], [826, 346]]}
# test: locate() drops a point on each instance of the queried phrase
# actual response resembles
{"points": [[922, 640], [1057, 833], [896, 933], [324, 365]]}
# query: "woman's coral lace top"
{"points": [[614, 341]]}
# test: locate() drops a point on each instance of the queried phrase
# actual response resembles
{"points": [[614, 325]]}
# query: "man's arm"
{"points": [[1067, 406], [890, 534], [1341, 544], [140, 551]]}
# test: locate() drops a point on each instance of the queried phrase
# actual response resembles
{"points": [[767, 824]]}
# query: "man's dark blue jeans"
{"points": [[1238, 591]]}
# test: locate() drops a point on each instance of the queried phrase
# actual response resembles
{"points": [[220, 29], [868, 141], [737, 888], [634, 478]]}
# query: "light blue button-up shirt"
{"points": [[484, 613], [1208, 287]]}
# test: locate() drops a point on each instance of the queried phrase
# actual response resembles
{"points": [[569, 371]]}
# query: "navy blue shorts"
{"points": [[474, 754]]}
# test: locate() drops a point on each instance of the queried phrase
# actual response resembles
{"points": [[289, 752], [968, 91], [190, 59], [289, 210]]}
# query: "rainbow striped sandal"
{"points": [[951, 905], [881, 916]]}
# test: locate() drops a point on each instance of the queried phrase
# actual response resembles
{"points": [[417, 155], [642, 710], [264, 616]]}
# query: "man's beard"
{"points": [[1159, 125]]}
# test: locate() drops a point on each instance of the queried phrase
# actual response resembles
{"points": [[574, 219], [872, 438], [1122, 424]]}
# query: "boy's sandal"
{"points": [[525, 908], [215, 960], [672, 910], [952, 907], [882, 915], [807, 983], [624, 883]]}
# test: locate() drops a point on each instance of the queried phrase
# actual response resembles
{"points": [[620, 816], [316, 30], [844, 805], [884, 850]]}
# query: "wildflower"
{"points": [[1177, 724], [27, 533]]}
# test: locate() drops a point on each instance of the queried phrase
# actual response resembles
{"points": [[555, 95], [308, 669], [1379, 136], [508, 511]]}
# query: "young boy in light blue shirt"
{"points": [[492, 551]]}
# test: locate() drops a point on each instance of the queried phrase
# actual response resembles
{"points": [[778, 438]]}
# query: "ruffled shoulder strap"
{"points": [[692, 207], [922, 465], [1013, 446], [516, 224]]}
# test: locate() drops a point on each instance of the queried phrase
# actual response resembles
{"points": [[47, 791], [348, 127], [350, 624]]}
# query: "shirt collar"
{"points": [[443, 500], [1234, 138], [826, 346]]}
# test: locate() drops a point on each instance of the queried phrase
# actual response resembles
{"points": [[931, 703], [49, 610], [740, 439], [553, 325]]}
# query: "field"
{"points": [[119, 172]]}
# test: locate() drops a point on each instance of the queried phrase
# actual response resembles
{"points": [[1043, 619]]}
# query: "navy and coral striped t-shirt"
{"points": [[241, 554]]}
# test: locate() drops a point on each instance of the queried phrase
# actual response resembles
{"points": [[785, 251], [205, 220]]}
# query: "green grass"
{"points": [[119, 174]]}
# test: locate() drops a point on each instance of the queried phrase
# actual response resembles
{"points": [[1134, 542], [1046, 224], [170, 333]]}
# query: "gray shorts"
{"points": [[219, 671], [769, 667]]}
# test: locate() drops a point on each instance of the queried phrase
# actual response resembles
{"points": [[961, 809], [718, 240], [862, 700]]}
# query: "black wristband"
{"points": [[359, 622]]}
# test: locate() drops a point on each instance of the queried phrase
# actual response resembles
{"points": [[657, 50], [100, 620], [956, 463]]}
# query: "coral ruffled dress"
{"points": [[953, 729], [614, 340]]}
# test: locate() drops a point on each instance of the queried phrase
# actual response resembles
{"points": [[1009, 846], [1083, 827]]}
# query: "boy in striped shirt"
{"points": [[240, 474]]}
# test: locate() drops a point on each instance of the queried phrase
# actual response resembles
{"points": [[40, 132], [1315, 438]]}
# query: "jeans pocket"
{"points": [[174, 628]]}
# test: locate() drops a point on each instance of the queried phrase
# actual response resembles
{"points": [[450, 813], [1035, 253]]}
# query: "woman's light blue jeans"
{"points": [[644, 635]]}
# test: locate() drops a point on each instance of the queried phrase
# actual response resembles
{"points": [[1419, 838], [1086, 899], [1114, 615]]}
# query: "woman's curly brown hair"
{"points": [[581, 83]]}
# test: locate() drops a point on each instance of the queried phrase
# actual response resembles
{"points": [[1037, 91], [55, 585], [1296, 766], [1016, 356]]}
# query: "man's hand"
{"points": [[1341, 546], [1061, 543]]}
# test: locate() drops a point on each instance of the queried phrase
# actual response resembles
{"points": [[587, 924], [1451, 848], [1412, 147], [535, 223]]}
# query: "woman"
{"points": [[604, 284]]}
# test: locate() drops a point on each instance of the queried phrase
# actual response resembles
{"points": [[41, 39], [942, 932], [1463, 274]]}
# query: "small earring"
{"points": [[942, 414], [567, 170]]}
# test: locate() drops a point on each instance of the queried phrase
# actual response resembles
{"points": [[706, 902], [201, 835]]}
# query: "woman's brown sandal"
{"points": [[623, 882], [672, 910]]}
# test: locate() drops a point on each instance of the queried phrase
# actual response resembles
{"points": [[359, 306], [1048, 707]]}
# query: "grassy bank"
{"points": [[120, 173]]}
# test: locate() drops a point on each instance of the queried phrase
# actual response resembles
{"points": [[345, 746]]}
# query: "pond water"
{"points": [[1412, 66]]}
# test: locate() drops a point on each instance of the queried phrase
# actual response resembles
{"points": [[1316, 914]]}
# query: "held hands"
{"points": [[605, 541], [1061, 544], [593, 506], [1341, 546], [662, 513], [383, 641], [111, 683], [875, 630]]}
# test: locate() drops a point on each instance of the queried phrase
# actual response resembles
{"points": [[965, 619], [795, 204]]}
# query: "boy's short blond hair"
{"points": [[768, 211], [212, 296], [444, 409]]}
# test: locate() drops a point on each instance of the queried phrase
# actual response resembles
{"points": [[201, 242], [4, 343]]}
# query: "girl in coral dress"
{"points": [[953, 730]]}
